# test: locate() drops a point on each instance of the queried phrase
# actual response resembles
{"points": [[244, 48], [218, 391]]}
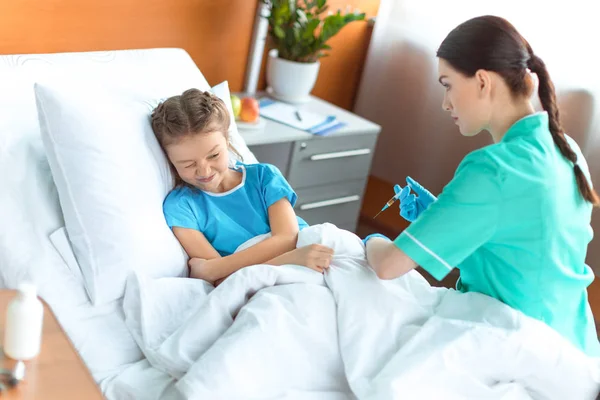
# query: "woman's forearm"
{"points": [[261, 253], [387, 260]]}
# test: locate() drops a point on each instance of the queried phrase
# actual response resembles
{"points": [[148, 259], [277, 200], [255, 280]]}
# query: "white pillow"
{"points": [[112, 177]]}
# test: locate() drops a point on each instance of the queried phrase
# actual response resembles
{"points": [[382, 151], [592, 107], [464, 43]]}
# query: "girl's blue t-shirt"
{"points": [[229, 219]]}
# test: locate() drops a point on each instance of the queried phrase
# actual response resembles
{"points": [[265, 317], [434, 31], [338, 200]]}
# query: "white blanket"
{"points": [[288, 332]]}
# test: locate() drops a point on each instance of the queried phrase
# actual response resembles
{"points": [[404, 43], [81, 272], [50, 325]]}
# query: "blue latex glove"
{"points": [[411, 205], [372, 235]]}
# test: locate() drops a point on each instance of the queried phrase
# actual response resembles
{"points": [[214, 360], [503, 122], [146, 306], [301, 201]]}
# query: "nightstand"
{"points": [[57, 372], [329, 172]]}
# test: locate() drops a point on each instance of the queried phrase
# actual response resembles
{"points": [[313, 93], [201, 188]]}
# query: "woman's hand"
{"points": [[315, 256], [411, 206], [202, 269]]}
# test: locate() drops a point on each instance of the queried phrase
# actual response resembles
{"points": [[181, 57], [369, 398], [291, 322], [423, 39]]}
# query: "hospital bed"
{"points": [[265, 332]]}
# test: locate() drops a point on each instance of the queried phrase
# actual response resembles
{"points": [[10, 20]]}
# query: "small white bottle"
{"points": [[23, 329]]}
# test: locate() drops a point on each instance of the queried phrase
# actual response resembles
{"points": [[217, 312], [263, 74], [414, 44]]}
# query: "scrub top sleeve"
{"points": [[275, 187], [178, 213], [463, 218]]}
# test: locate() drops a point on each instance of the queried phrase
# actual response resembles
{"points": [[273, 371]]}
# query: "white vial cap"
{"points": [[27, 290]]}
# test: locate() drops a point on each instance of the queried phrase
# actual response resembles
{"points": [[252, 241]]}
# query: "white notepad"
{"points": [[288, 114]]}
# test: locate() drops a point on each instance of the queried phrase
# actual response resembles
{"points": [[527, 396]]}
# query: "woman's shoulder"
{"points": [[484, 159]]}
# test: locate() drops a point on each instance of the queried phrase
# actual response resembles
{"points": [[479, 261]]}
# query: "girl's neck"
{"points": [[506, 116], [231, 178]]}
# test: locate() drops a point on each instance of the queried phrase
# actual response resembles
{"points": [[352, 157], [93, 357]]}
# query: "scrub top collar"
{"points": [[528, 125], [237, 166]]}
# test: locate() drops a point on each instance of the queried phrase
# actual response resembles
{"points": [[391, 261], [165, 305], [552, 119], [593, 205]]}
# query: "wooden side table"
{"points": [[58, 372]]}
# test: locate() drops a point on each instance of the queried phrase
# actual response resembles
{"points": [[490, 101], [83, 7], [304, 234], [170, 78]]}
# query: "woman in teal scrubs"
{"points": [[515, 219]]}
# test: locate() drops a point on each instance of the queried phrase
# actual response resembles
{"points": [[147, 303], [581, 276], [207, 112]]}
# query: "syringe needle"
{"points": [[380, 211]]}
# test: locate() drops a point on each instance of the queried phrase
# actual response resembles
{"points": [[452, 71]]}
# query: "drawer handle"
{"points": [[331, 202], [340, 154]]}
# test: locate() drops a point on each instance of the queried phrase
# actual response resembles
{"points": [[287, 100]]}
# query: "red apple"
{"points": [[250, 110]]}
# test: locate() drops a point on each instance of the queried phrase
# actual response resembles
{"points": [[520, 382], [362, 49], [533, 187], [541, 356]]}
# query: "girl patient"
{"points": [[219, 203]]}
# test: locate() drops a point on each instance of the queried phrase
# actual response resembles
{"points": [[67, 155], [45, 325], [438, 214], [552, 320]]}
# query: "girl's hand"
{"points": [[201, 269], [219, 281], [314, 256]]}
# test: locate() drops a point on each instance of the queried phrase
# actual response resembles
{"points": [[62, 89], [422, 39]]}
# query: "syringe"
{"points": [[388, 204]]}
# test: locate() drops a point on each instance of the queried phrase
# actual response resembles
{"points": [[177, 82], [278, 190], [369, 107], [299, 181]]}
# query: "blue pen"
{"points": [[388, 204]]}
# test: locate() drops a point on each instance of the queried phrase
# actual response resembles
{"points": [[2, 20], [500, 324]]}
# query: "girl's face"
{"points": [[466, 99], [202, 160]]}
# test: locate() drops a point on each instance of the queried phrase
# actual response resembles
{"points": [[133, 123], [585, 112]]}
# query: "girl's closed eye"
{"points": [[190, 165], [213, 156]]}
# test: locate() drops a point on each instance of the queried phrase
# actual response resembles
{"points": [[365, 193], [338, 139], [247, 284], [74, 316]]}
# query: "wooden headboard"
{"points": [[216, 33]]}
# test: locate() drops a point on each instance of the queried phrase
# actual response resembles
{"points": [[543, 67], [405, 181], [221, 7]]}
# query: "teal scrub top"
{"points": [[514, 223]]}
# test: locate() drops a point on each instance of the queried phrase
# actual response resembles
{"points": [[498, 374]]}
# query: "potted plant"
{"points": [[298, 34]]}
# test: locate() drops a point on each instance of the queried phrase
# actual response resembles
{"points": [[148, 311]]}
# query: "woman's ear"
{"points": [[531, 83], [483, 79]]}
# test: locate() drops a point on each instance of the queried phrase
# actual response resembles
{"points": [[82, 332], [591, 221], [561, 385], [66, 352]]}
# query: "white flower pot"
{"points": [[290, 81]]}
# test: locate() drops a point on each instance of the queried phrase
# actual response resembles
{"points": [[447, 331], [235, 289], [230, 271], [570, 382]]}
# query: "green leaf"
{"points": [[354, 17], [296, 32], [281, 12], [310, 29], [321, 10], [331, 26], [299, 29], [301, 15], [334, 23], [279, 32], [309, 4]]}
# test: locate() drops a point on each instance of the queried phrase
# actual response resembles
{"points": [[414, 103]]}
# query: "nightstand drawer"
{"points": [[339, 203], [277, 154], [330, 160]]}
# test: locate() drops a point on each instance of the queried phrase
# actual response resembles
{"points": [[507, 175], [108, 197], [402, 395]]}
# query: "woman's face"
{"points": [[466, 99]]}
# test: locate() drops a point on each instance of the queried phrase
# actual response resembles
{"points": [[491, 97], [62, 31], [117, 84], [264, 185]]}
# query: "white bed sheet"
{"points": [[105, 343], [288, 332]]}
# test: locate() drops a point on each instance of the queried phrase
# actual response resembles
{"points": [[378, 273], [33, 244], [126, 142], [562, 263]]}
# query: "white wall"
{"points": [[399, 88]]}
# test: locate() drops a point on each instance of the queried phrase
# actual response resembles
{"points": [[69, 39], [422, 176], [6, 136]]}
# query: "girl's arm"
{"points": [[195, 243], [387, 260], [284, 235]]}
